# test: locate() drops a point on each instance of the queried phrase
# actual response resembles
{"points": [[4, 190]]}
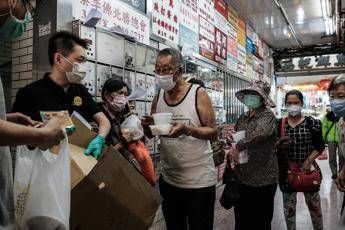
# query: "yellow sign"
{"points": [[232, 16], [241, 32], [77, 101]]}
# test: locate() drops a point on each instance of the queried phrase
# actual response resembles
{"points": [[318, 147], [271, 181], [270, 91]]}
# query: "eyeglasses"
{"points": [[166, 71]]}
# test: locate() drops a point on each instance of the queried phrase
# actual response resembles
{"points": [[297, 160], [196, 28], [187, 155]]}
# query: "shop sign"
{"points": [[115, 13], [165, 19], [241, 59], [249, 32], [249, 66], [189, 41], [221, 46], [231, 62], [249, 45], [232, 16], [241, 33], [220, 22], [206, 47], [261, 48], [189, 14], [137, 4], [221, 6], [206, 10], [255, 39], [261, 67], [255, 63], [333, 61], [232, 46], [232, 31], [255, 50], [206, 29]]}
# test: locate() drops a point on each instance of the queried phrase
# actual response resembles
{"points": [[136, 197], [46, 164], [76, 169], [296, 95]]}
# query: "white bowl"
{"points": [[162, 118], [160, 129]]}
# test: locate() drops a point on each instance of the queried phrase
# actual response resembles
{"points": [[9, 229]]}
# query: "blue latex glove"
{"points": [[95, 146]]}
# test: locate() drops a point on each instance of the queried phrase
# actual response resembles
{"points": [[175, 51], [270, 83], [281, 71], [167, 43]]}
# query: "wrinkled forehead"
{"points": [[164, 61]]}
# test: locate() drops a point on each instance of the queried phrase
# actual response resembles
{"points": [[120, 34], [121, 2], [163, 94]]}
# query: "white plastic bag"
{"points": [[133, 123], [42, 187]]}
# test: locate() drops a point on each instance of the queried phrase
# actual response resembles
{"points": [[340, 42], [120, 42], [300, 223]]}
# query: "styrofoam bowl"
{"points": [[160, 129], [162, 118]]}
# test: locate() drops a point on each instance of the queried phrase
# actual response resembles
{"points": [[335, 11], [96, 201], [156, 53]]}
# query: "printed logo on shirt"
{"points": [[77, 101]]}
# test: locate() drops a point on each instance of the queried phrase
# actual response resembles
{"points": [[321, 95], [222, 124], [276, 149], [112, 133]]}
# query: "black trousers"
{"points": [[191, 209], [254, 209]]}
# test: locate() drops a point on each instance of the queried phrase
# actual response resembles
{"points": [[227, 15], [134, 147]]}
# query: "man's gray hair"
{"points": [[175, 54], [339, 80]]}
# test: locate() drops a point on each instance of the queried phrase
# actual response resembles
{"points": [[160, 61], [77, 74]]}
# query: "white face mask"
{"points": [[166, 82], [294, 110], [78, 72]]}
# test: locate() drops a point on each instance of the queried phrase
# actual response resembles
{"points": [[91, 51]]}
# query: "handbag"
{"points": [[230, 193], [218, 148], [297, 179], [301, 181]]}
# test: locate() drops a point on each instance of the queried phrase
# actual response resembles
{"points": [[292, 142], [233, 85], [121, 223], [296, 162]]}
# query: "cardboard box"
{"points": [[82, 135], [81, 165], [113, 196]]}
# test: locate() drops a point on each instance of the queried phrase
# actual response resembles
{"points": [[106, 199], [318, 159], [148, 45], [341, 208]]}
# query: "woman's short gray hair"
{"points": [[175, 54], [339, 80]]}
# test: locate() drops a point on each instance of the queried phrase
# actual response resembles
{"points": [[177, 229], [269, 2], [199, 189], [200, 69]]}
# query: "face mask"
{"points": [[14, 27], [78, 72], [118, 103], [294, 110], [252, 101], [166, 82], [338, 107]]}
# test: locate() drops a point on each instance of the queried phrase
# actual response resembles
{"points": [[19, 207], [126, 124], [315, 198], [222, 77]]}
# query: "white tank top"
{"points": [[187, 162]]}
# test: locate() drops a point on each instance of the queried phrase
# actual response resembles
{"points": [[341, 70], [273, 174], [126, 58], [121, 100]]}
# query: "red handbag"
{"points": [[299, 180]]}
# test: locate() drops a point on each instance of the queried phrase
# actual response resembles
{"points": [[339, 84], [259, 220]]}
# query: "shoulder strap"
{"points": [[329, 130], [282, 128]]}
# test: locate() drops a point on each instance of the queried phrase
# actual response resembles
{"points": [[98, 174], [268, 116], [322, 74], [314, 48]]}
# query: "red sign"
{"points": [[206, 47], [222, 7], [221, 46]]}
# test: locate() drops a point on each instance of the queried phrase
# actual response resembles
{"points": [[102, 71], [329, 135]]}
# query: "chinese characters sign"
{"points": [[221, 46], [115, 14], [333, 61], [222, 7], [165, 22], [189, 14], [241, 59], [137, 4], [241, 32], [206, 9], [232, 16], [206, 29], [206, 38]]}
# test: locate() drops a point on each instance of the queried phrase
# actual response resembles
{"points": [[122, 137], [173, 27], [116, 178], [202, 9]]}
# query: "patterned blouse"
{"points": [[261, 132]]}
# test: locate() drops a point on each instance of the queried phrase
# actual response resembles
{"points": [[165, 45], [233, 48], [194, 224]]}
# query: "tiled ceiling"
{"points": [[267, 20]]}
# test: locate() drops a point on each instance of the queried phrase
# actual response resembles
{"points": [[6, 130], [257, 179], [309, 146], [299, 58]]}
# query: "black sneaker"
{"points": [[334, 176]]}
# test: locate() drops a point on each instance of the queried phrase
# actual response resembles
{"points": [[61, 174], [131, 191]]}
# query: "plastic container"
{"points": [[160, 129], [162, 118], [238, 136]]}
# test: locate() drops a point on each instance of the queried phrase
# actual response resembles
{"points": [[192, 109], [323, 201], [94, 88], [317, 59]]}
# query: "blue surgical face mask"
{"points": [[14, 27], [338, 107], [252, 101]]}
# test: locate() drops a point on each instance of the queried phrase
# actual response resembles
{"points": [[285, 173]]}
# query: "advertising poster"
{"points": [[165, 19], [241, 60], [206, 29], [206, 47], [206, 10], [249, 66], [115, 14], [232, 16], [137, 4], [221, 46], [241, 32], [249, 45], [189, 14], [189, 41], [221, 7]]}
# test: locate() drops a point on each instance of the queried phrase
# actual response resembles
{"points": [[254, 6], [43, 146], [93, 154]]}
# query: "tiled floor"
{"points": [[331, 200]]}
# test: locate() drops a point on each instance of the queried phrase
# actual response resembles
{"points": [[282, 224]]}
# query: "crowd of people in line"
{"points": [[188, 180]]}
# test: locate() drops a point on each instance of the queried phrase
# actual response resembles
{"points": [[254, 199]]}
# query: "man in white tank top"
{"points": [[188, 179]]}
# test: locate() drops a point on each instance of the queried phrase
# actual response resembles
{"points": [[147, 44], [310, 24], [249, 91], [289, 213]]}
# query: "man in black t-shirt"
{"points": [[60, 89]]}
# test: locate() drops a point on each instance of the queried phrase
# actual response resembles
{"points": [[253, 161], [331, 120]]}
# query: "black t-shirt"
{"points": [[45, 95]]}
